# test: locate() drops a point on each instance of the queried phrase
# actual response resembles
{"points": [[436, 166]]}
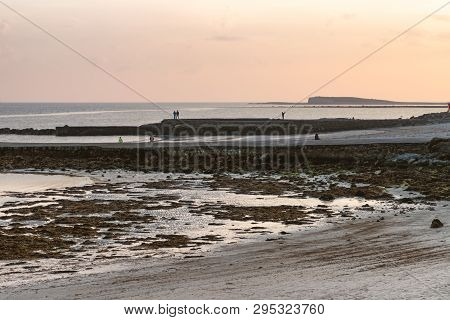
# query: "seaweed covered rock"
{"points": [[436, 223], [441, 147]]}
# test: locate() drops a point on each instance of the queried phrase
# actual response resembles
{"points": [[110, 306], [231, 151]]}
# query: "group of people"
{"points": [[176, 114]]}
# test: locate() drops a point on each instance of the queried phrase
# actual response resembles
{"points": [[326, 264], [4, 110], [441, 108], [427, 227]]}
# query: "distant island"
{"points": [[349, 101]]}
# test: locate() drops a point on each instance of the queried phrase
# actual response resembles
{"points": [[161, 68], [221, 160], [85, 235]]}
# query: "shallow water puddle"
{"points": [[27, 182]]}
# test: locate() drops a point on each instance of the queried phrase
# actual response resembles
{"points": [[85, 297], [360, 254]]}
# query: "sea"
{"points": [[51, 115]]}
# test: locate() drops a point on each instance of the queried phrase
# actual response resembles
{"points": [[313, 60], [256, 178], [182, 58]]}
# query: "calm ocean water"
{"points": [[50, 115]]}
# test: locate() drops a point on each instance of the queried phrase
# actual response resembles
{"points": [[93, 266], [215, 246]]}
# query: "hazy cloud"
{"points": [[225, 38], [441, 17], [4, 48], [348, 16], [4, 26], [418, 33], [444, 35]]}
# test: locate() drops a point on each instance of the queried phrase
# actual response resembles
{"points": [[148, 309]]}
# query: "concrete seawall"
{"points": [[215, 127], [67, 131], [29, 131]]}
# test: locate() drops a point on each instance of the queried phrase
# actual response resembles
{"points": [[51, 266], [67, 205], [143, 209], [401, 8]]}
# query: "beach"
{"points": [[240, 217], [399, 257]]}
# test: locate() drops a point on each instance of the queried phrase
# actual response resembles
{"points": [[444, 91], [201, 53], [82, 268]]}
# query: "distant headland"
{"points": [[349, 101]]}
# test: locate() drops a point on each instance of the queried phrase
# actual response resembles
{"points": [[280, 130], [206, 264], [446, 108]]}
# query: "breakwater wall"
{"points": [[238, 127], [29, 131], [68, 131]]}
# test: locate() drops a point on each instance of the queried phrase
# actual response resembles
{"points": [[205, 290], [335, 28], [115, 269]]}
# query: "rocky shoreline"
{"points": [[222, 159], [114, 208]]}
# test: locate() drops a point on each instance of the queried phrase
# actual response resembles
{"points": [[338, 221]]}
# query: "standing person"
{"points": [[178, 114], [282, 115], [174, 114]]}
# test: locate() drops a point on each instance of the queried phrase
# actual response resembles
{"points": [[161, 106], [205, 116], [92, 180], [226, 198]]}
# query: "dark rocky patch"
{"points": [[436, 223]]}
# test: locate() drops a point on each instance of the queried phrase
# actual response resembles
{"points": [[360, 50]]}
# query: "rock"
{"points": [[406, 157], [366, 207], [441, 147], [436, 223], [360, 193], [326, 197], [435, 142], [265, 157]]}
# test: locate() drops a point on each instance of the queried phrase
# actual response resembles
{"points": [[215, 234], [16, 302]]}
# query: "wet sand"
{"points": [[399, 257], [397, 135]]}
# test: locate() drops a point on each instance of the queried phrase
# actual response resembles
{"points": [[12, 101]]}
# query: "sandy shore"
{"points": [[399, 257], [409, 134]]}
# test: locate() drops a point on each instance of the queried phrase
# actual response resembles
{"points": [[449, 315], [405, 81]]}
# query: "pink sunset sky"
{"points": [[223, 50]]}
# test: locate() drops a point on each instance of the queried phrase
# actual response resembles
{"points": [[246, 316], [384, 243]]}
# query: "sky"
{"points": [[223, 50]]}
